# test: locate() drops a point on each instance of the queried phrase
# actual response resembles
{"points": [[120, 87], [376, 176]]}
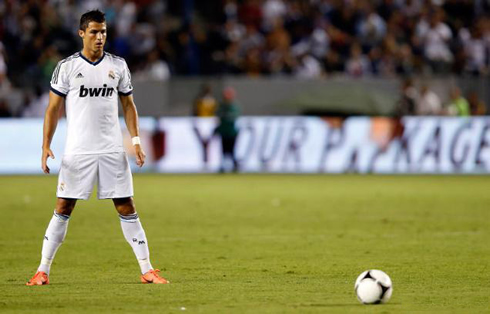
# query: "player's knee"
{"points": [[65, 206], [124, 206]]}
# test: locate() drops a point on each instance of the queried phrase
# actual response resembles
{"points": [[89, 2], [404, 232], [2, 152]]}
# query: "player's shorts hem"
{"points": [[78, 197], [112, 196], [95, 153]]}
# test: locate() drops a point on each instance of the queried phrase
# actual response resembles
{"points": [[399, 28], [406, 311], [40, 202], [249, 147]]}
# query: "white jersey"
{"points": [[91, 100]]}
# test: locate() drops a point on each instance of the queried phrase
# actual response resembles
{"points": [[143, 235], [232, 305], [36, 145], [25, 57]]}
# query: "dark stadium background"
{"points": [[366, 45]]}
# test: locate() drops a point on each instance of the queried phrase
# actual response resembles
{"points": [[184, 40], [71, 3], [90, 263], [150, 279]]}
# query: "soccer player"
{"points": [[89, 82]]}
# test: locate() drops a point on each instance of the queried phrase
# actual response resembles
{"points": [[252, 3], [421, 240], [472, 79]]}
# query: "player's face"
{"points": [[94, 36]]}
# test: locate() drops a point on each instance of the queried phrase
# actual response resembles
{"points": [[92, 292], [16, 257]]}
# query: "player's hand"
{"points": [[140, 155], [44, 159]]}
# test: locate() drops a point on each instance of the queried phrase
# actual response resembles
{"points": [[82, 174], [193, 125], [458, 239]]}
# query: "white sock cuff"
{"points": [[61, 217], [129, 218]]}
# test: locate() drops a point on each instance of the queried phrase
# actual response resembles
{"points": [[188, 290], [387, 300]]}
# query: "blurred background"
{"points": [[287, 58]]}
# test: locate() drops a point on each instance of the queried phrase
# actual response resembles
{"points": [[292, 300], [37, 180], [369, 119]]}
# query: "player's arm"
{"points": [[50, 123], [131, 118]]}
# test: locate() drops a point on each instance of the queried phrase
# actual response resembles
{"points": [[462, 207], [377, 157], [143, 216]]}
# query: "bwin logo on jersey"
{"points": [[97, 91]]}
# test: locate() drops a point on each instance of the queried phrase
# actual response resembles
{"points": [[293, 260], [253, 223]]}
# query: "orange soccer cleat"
{"points": [[153, 277], [39, 279]]}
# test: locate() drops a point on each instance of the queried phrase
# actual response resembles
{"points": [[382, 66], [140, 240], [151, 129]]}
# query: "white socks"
{"points": [[131, 227], [135, 235], [55, 234]]}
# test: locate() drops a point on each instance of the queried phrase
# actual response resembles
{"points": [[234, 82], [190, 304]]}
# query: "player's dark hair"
{"points": [[91, 16]]}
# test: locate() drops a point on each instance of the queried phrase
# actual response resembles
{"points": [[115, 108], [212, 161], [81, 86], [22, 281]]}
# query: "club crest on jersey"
{"points": [[96, 92], [112, 75]]}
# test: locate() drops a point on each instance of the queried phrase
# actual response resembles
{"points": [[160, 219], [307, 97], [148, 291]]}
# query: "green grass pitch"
{"points": [[256, 244]]}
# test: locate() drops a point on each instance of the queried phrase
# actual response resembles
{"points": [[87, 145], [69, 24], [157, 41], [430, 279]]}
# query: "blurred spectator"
{"points": [[155, 68], [143, 38], [412, 8], [458, 105], [308, 67], [429, 104], [387, 8], [230, 9], [436, 35], [47, 62], [4, 109], [37, 107], [3, 63], [205, 103], [250, 13], [476, 50], [5, 86], [319, 42], [127, 13], [333, 62], [345, 17], [273, 10], [409, 97], [233, 31], [228, 113], [252, 64], [372, 28], [477, 106], [405, 60], [358, 64], [252, 39]]}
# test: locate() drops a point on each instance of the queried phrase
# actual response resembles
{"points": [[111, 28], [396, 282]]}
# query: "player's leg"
{"points": [[53, 238], [228, 152], [56, 232], [75, 181], [133, 231], [227, 149], [232, 153], [116, 182], [135, 235], [223, 155]]}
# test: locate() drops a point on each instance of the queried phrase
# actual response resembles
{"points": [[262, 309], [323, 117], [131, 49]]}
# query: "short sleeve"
{"points": [[125, 87], [59, 81]]}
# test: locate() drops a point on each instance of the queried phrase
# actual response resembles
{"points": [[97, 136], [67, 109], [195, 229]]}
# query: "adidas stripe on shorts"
{"points": [[79, 173]]}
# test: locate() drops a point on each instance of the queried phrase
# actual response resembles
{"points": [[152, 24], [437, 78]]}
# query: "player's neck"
{"points": [[91, 55]]}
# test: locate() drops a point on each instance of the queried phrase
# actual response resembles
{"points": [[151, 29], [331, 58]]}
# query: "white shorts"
{"points": [[79, 173]]}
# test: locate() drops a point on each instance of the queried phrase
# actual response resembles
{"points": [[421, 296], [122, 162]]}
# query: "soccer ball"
{"points": [[373, 287]]}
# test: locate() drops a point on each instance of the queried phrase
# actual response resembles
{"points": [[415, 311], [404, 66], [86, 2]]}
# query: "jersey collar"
{"points": [[92, 63]]}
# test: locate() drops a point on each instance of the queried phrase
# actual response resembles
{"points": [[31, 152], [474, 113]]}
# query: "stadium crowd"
{"points": [[300, 38]]}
